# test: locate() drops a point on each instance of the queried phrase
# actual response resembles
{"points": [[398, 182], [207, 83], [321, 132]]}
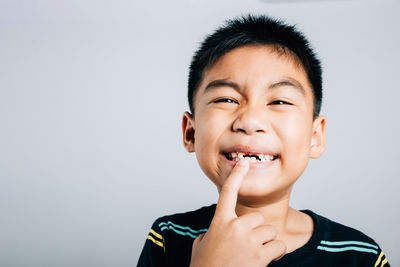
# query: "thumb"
{"points": [[197, 241], [196, 250]]}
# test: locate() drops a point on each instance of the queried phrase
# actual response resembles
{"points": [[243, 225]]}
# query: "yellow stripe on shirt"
{"points": [[155, 241], [156, 234], [384, 262], [379, 259]]}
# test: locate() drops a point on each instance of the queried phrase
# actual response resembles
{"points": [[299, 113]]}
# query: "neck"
{"points": [[275, 214], [294, 228]]}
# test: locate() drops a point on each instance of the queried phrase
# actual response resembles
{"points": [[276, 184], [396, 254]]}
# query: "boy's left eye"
{"points": [[280, 102]]}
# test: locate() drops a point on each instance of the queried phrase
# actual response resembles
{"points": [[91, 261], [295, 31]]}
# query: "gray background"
{"points": [[91, 98]]}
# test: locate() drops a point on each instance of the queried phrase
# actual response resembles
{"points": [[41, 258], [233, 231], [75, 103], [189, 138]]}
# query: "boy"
{"points": [[255, 93]]}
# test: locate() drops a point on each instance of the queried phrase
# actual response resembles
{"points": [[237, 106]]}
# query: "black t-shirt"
{"points": [[170, 240]]}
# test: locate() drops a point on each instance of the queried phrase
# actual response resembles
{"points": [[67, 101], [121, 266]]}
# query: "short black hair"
{"points": [[256, 30]]}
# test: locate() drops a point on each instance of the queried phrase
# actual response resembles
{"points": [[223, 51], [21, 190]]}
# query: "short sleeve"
{"points": [[153, 253], [381, 260]]}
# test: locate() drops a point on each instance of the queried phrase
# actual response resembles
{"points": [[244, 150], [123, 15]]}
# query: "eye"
{"points": [[280, 102], [226, 100]]}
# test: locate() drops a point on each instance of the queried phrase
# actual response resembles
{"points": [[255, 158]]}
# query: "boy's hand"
{"points": [[233, 240]]}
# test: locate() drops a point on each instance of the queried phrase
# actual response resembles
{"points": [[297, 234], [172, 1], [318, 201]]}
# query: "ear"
{"points": [[318, 137], [188, 131]]}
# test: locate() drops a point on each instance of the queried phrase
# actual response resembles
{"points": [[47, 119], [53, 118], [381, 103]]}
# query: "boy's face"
{"points": [[253, 101]]}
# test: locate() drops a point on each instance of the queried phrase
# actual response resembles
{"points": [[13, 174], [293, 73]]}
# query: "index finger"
{"points": [[228, 195]]}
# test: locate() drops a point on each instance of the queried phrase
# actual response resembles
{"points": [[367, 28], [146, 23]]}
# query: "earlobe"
{"points": [[188, 131], [318, 137]]}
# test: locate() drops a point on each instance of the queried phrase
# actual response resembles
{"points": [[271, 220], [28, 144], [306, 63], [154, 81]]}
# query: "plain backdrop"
{"points": [[91, 99]]}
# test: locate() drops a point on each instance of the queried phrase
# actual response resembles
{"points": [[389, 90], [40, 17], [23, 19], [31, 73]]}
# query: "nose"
{"points": [[250, 121]]}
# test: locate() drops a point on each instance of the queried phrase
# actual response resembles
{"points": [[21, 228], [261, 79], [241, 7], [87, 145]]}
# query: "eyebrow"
{"points": [[288, 82], [222, 83], [228, 83]]}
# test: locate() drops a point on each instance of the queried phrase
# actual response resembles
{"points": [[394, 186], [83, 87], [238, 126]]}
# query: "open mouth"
{"points": [[236, 156]]}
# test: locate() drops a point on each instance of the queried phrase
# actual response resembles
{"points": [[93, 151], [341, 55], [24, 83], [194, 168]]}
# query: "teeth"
{"points": [[236, 156]]}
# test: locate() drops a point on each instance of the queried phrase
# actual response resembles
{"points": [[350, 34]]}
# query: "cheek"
{"points": [[296, 138], [206, 137], [210, 129]]}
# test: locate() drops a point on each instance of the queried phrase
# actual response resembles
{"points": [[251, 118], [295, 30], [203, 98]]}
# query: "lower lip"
{"points": [[253, 165]]}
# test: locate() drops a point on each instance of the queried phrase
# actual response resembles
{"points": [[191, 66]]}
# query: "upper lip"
{"points": [[250, 150]]}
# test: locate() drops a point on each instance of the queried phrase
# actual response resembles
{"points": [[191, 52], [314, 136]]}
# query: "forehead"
{"points": [[256, 65]]}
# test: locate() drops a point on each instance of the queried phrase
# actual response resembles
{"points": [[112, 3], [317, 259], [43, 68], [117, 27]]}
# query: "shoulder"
{"points": [[191, 223], [335, 232], [344, 242], [186, 224], [171, 237]]}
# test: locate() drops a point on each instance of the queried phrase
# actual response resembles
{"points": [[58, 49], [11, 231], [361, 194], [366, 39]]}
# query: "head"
{"points": [[256, 31], [255, 91]]}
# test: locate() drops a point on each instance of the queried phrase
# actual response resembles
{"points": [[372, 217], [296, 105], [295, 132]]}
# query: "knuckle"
{"points": [[258, 255], [259, 217], [276, 250], [278, 246], [252, 239], [281, 246], [272, 232]]}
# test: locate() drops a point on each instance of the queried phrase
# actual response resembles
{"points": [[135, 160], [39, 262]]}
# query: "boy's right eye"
{"points": [[225, 100]]}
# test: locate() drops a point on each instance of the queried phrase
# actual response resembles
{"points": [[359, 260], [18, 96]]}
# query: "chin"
{"points": [[253, 192], [256, 189]]}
